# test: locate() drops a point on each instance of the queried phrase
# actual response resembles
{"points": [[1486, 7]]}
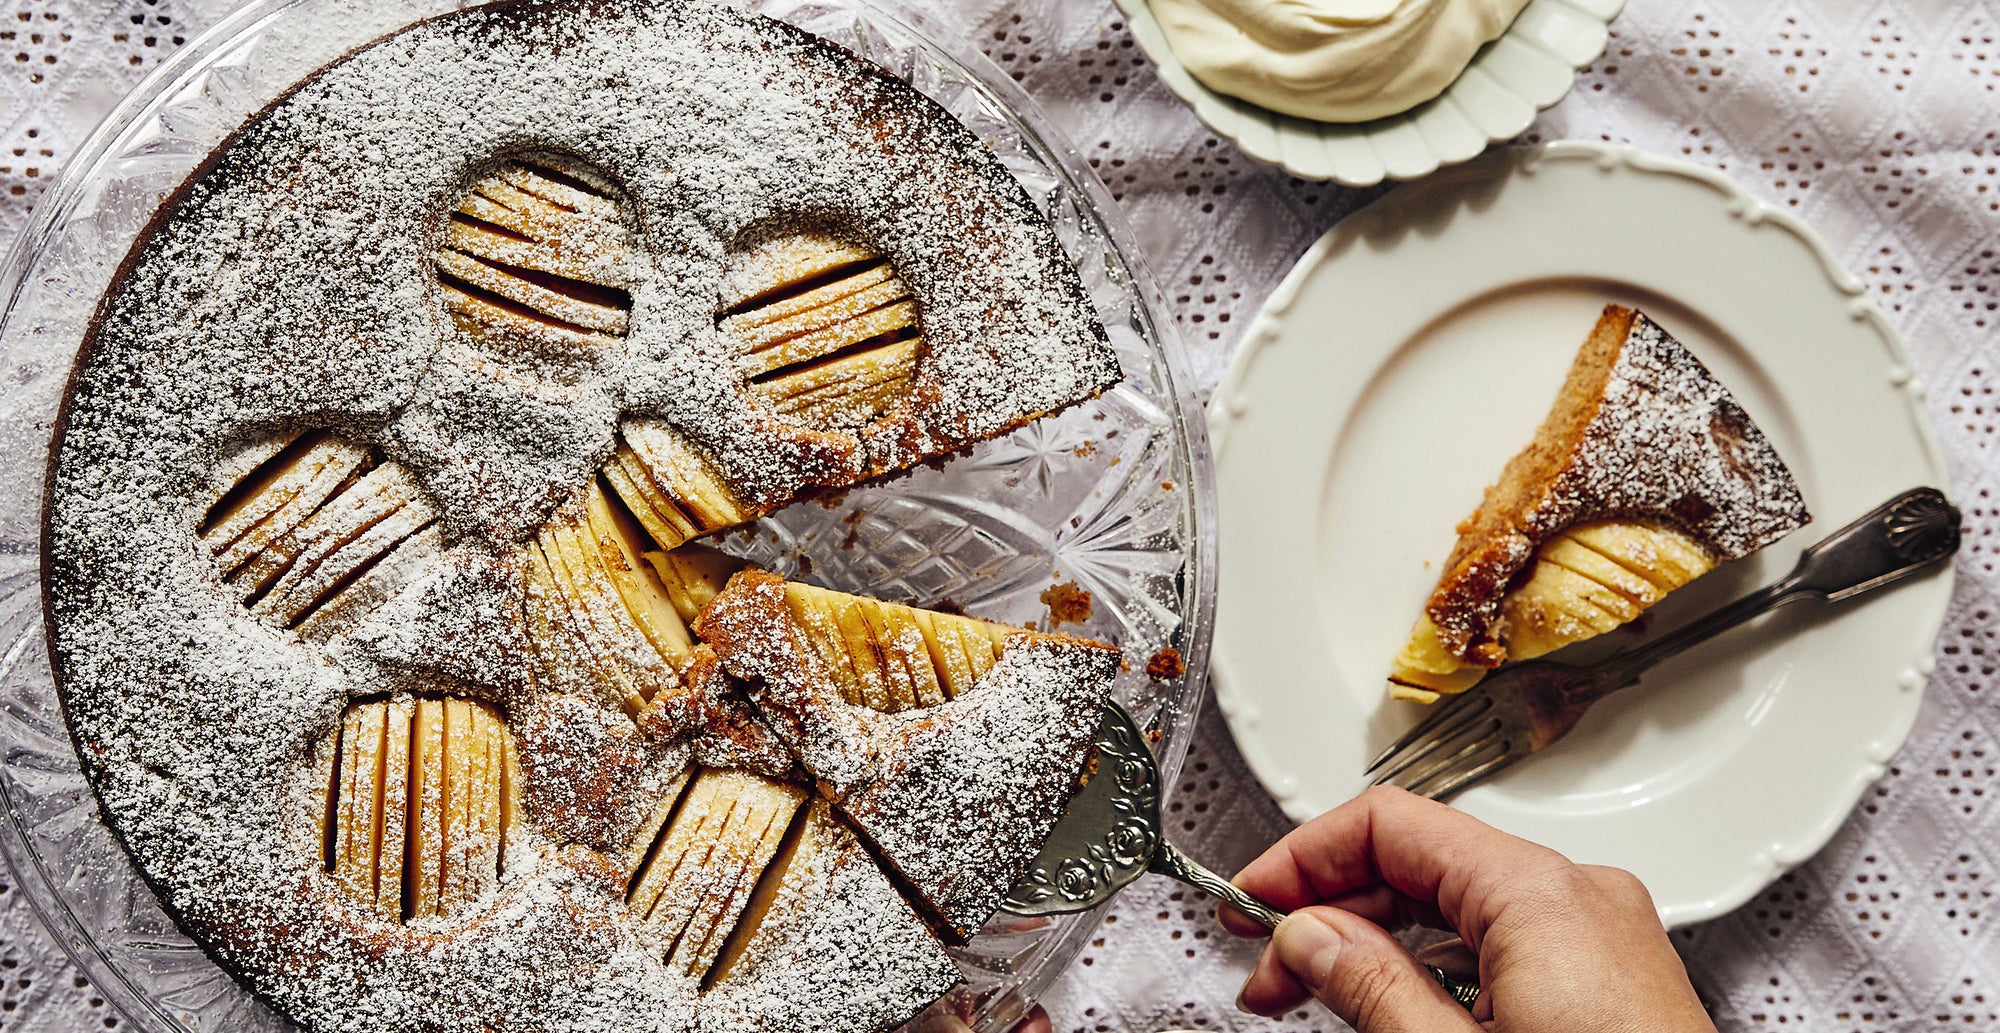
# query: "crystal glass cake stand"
{"points": [[1112, 497]]}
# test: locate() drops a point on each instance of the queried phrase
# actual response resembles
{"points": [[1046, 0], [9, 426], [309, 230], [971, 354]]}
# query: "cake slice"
{"points": [[957, 796], [1645, 475]]}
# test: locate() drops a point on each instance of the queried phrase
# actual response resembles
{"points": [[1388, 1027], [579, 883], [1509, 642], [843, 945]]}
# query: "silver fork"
{"points": [[1523, 709]]}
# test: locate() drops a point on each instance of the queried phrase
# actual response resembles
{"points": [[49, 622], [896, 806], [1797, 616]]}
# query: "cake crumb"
{"points": [[1090, 766], [1166, 665], [1067, 604]]}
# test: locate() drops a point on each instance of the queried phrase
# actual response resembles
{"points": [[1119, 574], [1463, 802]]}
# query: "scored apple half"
{"points": [[890, 657], [314, 532], [604, 604], [1645, 474], [824, 330], [422, 803], [1589, 579], [825, 940], [714, 842], [535, 258]]}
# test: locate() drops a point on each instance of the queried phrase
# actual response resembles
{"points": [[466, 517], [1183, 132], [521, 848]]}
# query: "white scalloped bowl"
{"points": [[1509, 81]]}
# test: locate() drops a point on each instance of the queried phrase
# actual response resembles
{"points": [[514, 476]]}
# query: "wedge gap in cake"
{"points": [[825, 944], [955, 797], [1645, 475], [696, 879], [422, 805], [535, 256]]}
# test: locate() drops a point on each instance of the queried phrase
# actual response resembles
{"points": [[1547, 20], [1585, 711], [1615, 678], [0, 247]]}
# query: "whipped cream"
{"points": [[1331, 60]]}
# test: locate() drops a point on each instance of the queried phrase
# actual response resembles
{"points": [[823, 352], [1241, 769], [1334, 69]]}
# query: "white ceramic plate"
{"points": [[1412, 351], [1510, 80]]}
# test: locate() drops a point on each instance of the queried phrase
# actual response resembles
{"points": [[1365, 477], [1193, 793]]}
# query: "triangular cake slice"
{"points": [[956, 796], [1645, 474]]}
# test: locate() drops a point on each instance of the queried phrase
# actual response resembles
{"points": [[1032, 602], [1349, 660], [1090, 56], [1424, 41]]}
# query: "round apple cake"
{"points": [[374, 571]]}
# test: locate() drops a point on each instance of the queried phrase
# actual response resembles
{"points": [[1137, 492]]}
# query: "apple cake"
{"points": [[372, 573], [1645, 475]]}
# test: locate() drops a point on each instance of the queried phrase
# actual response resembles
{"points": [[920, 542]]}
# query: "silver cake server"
{"points": [[1112, 833]]}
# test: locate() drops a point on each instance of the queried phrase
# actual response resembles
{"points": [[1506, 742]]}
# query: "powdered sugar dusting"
{"points": [[957, 797], [1666, 442], [967, 791], [813, 964], [290, 286]]}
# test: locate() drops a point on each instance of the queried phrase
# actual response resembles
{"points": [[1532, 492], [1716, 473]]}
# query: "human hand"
{"points": [[1559, 946]]}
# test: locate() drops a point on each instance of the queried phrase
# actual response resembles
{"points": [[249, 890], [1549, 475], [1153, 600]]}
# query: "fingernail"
{"points": [[1308, 946]]}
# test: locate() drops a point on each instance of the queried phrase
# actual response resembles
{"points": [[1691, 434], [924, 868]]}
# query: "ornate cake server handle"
{"points": [[1111, 833], [1170, 862]]}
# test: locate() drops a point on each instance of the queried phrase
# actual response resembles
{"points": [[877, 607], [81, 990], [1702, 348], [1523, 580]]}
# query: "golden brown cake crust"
{"points": [[1640, 430]]}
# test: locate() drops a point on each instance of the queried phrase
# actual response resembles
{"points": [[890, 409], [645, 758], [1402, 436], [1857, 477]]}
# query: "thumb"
{"points": [[1362, 974]]}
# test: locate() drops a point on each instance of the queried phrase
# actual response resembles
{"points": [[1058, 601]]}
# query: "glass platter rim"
{"points": [[1189, 452]]}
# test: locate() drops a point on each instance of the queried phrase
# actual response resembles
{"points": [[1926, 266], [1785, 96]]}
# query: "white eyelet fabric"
{"points": [[1877, 123]]}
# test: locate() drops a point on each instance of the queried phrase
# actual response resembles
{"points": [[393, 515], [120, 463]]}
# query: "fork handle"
{"points": [[1900, 537]]}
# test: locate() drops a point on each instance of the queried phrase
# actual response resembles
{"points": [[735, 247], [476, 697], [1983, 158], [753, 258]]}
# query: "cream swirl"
{"points": [[1331, 60]]}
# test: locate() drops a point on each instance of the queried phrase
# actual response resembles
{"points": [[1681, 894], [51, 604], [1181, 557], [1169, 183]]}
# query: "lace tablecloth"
{"points": [[1877, 122]]}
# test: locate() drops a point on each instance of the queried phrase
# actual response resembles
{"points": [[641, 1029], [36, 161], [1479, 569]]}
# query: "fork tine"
{"points": [[1420, 729], [1427, 728], [1426, 736], [1444, 752], [1447, 757], [1447, 783]]}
